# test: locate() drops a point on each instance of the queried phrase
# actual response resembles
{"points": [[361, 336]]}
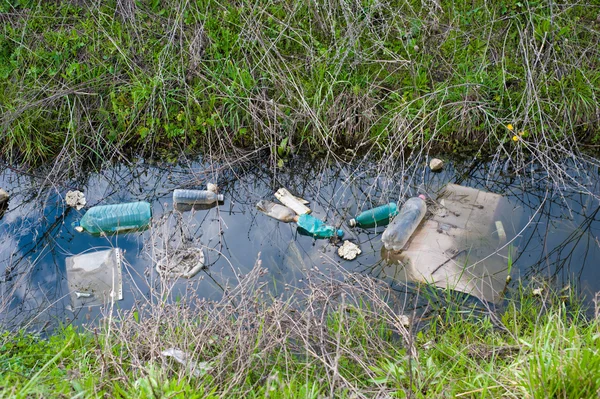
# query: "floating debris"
{"points": [[292, 202], [183, 262], [379, 216], [397, 234], [75, 199], [116, 218], [349, 250], [95, 278], [212, 187], [276, 211], [436, 165], [196, 197], [3, 197], [195, 207], [501, 232], [460, 247], [311, 226]]}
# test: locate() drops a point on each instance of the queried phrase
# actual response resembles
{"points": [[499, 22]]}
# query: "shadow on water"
{"points": [[555, 235]]}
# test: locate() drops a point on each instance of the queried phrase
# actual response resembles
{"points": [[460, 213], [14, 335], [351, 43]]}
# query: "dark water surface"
{"points": [[555, 229]]}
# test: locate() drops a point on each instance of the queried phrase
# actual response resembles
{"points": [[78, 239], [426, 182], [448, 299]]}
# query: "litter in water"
{"points": [[196, 197], [287, 199], [75, 199], [397, 234], [276, 211], [212, 187], [3, 197], [460, 247], [181, 262], [116, 218], [311, 226], [349, 250], [379, 216], [95, 278], [436, 165]]}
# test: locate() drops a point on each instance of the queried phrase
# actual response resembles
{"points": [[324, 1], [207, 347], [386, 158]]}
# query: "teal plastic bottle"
{"points": [[118, 217], [379, 216], [311, 226]]}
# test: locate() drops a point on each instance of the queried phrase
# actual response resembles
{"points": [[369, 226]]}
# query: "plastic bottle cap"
{"points": [[340, 233], [220, 197], [352, 222], [423, 197]]}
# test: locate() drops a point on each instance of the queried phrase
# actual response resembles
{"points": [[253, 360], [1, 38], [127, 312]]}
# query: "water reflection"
{"points": [[553, 231]]}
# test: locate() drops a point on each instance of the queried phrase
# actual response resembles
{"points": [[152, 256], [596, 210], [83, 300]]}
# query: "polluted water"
{"points": [[506, 219]]}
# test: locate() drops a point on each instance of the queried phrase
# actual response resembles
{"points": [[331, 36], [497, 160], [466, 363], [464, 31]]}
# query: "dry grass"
{"points": [[332, 328]]}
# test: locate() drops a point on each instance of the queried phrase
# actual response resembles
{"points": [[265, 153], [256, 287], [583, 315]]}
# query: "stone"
{"points": [[3, 197], [436, 165], [75, 199], [349, 250]]}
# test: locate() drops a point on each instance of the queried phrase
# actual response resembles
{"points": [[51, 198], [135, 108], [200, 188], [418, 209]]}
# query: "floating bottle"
{"points": [[118, 217], [379, 216], [276, 211], [397, 234], [195, 197], [311, 226]]}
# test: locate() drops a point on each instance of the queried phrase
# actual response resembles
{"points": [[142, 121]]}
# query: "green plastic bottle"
{"points": [[379, 216], [114, 218]]}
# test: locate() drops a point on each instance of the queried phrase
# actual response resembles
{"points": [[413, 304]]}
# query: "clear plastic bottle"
{"points": [[379, 216], [397, 234], [311, 226], [276, 211], [118, 217], [195, 197]]}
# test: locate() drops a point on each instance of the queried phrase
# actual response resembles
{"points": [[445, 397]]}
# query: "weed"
{"points": [[95, 79]]}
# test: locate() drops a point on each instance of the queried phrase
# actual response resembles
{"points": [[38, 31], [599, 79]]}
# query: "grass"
{"points": [[331, 339], [91, 81], [88, 81]]}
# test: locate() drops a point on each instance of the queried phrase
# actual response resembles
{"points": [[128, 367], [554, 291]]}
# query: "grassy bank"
{"points": [[92, 80], [331, 339]]}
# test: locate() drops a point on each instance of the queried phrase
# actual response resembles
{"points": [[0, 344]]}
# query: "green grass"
{"points": [[539, 347], [96, 80]]}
